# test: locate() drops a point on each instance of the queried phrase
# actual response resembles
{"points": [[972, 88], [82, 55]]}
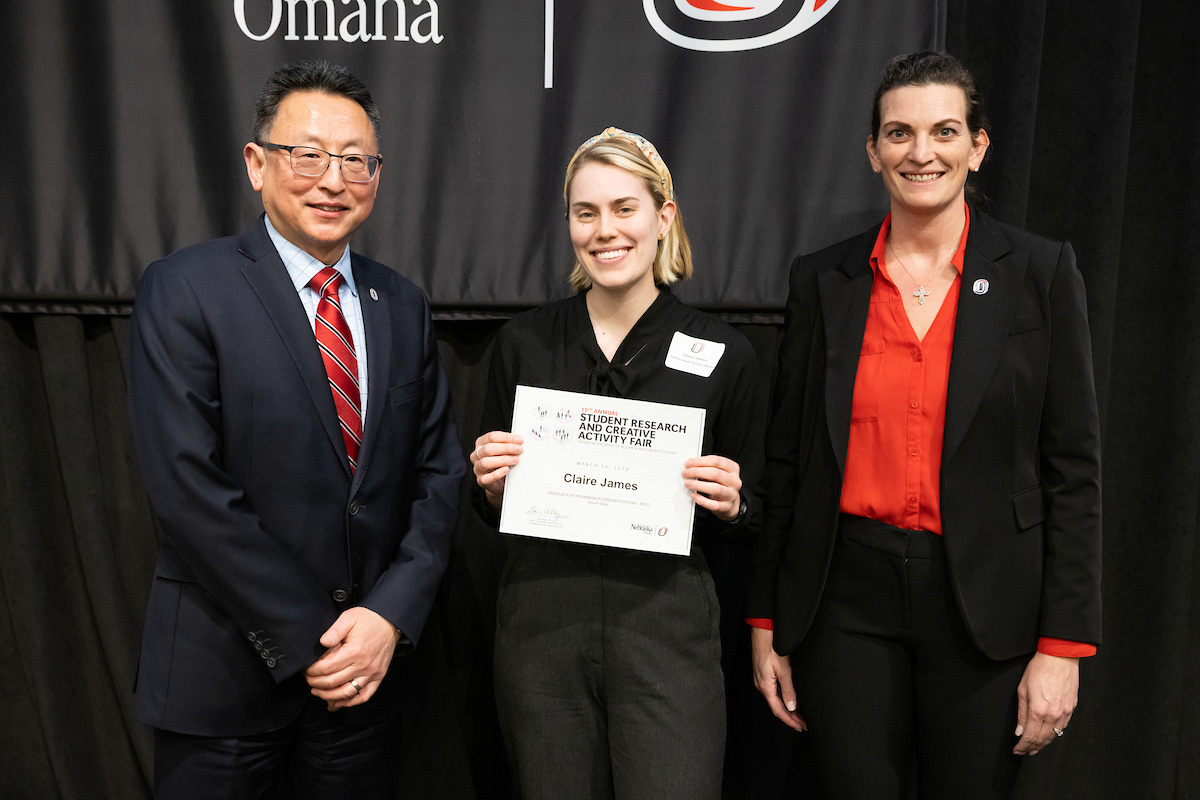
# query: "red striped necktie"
{"points": [[341, 365]]}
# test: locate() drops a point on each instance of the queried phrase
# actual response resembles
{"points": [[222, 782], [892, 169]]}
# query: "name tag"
{"points": [[697, 356]]}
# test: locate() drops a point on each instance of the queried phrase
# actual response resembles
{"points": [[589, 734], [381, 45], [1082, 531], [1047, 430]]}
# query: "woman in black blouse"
{"points": [[607, 661]]}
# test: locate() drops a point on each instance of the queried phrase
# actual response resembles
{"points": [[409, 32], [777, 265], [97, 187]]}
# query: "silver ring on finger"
{"points": [[358, 687], [1059, 731]]}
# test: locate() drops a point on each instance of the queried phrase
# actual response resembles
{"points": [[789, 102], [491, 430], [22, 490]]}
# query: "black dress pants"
{"points": [[316, 757], [887, 677], [608, 674]]}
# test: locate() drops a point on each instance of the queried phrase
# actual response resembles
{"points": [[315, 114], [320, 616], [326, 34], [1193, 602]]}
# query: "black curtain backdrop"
{"points": [[128, 117], [1094, 111]]}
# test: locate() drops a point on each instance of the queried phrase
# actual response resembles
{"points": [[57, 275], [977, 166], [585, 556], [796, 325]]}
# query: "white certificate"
{"points": [[602, 470]]}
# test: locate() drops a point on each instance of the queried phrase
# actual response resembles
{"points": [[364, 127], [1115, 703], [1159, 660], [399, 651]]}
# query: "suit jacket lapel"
{"points": [[269, 279], [377, 322], [982, 324], [845, 297]]}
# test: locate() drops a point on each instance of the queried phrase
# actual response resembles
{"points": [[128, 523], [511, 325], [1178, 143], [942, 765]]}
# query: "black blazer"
{"points": [[266, 535], [1020, 479]]}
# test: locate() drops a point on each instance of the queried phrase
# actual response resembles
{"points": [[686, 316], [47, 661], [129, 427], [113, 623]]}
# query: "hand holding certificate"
{"points": [[602, 470]]}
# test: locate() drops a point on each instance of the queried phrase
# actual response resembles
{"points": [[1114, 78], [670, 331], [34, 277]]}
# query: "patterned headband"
{"points": [[643, 144]]}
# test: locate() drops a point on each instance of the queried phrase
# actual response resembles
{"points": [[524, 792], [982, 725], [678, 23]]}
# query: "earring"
{"points": [[875, 170], [662, 236]]}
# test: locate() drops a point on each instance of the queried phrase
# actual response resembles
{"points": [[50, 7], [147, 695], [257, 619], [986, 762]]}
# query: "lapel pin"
{"points": [[375, 296], [980, 287]]}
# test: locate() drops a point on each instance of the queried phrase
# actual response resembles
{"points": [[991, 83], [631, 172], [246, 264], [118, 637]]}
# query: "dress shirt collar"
{"points": [[878, 261], [302, 267]]}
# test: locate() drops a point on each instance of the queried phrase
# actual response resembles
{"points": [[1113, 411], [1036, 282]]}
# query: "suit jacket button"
{"points": [[354, 507], [271, 663], [258, 645], [340, 595], [264, 655]]}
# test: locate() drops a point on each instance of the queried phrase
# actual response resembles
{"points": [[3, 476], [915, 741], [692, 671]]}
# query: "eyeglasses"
{"points": [[313, 161]]}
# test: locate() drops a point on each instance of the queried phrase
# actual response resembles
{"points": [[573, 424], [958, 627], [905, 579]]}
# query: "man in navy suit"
{"points": [[306, 486]]}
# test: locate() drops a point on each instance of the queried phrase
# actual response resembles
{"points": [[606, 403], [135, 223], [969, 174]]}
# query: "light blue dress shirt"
{"points": [[301, 268]]}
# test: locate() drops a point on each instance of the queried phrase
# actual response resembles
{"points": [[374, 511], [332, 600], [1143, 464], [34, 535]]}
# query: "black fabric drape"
{"points": [[1093, 125], [125, 119], [1094, 109], [76, 550]]}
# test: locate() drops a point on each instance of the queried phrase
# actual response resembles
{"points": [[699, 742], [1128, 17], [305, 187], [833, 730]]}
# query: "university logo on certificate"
{"points": [[602, 470]]}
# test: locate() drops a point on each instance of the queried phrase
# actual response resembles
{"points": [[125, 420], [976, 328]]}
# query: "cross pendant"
{"points": [[920, 294]]}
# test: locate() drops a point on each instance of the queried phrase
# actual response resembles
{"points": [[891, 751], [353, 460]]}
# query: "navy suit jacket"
{"points": [[1020, 478], [267, 536]]}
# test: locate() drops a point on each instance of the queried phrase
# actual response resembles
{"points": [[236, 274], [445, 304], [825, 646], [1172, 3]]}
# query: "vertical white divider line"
{"points": [[548, 80]]}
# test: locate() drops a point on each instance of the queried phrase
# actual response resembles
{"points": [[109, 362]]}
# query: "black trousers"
{"points": [[888, 678], [316, 757], [608, 674]]}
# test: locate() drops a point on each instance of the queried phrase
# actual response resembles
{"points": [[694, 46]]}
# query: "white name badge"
{"points": [[602, 470], [697, 356]]}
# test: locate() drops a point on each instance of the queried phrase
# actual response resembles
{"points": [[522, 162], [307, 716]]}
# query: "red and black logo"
{"points": [[731, 25]]}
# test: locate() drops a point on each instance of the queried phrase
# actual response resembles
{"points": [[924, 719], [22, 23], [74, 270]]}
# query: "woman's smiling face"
{"points": [[923, 147], [615, 226]]}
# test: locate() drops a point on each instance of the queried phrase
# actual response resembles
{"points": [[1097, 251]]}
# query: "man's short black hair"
{"points": [[309, 76]]}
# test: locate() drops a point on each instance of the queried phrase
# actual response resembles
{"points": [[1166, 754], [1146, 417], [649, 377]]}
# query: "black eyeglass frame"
{"points": [[292, 160]]}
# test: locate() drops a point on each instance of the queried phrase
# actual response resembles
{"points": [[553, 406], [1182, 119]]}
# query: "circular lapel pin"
{"points": [[375, 296], [980, 286]]}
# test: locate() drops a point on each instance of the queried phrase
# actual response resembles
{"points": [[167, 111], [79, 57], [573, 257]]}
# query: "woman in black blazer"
{"points": [[928, 575]]}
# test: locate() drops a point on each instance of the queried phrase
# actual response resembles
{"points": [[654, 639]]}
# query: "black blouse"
{"points": [[554, 347]]}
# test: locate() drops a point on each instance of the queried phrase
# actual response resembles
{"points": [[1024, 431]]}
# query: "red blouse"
{"points": [[894, 460], [898, 416]]}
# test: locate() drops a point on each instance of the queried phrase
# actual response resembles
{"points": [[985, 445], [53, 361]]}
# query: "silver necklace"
{"points": [[921, 292]]}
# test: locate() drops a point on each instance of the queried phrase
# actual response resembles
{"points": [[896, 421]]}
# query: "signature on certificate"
{"points": [[544, 515]]}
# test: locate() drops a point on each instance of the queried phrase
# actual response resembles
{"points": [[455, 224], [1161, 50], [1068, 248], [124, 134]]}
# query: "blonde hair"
{"points": [[634, 154]]}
